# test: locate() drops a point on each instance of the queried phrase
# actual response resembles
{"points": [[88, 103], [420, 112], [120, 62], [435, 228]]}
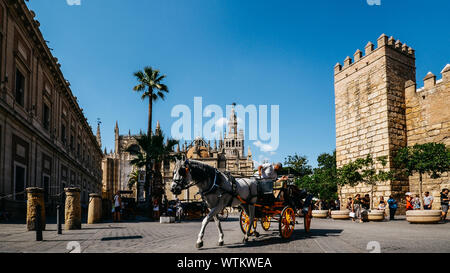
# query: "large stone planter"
{"points": [[35, 198], [320, 214], [166, 220], [340, 214], [423, 216], [376, 215], [73, 209], [95, 208]]}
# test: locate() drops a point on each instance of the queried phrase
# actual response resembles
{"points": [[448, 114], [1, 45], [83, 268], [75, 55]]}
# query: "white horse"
{"points": [[217, 191]]}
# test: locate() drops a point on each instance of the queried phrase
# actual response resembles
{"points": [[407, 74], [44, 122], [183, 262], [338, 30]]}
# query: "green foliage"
{"points": [[430, 158], [322, 182], [133, 179], [152, 150], [364, 170], [297, 165], [150, 81]]}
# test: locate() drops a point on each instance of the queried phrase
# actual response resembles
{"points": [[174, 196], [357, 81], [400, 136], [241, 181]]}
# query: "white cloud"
{"points": [[220, 123], [264, 147]]}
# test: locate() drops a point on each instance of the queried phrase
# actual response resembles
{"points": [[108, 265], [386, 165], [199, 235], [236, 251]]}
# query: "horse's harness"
{"points": [[215, 186]]}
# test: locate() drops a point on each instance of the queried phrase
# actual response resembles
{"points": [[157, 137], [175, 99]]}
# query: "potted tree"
{"points": [[347, 175], [372, 172], [431, 159]]}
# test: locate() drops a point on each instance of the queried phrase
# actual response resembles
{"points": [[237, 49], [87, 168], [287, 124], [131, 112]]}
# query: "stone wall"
{"points": [[428, 120], [370, 108]]}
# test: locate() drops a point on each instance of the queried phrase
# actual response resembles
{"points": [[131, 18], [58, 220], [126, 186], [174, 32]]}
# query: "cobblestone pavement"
{"points": [[327, 236]]}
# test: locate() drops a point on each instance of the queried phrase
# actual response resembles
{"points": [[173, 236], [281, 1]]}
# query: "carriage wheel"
{"points": [[287, 223], [307, 220], [265, 222], [245, 223]]}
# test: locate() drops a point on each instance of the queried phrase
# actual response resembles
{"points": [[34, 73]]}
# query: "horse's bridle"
{"points": [[193, 183]]}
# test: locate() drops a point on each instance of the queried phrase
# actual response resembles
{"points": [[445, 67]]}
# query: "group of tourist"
{"points": [[358, 205], [414, 203]]}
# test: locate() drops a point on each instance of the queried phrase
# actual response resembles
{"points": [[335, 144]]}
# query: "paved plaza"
{"points": [[327, 236]]}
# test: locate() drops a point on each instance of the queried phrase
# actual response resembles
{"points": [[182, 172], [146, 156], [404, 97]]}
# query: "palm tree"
{"points": [[152, 88], [152, 151], [133, 179]]}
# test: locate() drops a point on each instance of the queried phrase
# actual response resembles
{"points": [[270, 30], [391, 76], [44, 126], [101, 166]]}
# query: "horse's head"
{"points": [[181, 177]]}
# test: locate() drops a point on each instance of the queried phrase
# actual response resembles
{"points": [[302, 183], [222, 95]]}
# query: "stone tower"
{"points": [[370, 108], [234, 141]]}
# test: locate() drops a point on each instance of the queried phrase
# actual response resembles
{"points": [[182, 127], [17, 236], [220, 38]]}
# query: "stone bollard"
{"points": [[73, 209], [35, 198], [95, 208]]}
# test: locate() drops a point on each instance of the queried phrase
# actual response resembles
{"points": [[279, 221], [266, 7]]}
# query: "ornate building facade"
{"points": [[379, 110], [226, 154], [45, 139]]}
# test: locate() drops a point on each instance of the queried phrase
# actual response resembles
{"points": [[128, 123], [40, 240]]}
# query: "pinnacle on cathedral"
{"points": [[99, 137]]}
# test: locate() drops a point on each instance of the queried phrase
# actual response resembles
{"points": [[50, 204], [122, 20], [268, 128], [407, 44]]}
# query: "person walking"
{"points": [[416, 202], [156, 210], [356, 207], [393, 206], [444, 203], [117, 207], [428, 201], [409, 201]]}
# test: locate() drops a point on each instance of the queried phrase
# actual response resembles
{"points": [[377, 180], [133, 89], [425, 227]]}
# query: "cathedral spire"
{"points": [[233, 124], [158, 129], [117, 138]]}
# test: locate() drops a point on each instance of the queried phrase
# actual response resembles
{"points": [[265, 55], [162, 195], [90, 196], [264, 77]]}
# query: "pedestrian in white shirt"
{"points": [[428, 201]]}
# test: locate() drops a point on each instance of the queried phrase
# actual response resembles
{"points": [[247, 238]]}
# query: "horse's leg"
{"points": [[219, 227], [207, 219], [251, 216]]}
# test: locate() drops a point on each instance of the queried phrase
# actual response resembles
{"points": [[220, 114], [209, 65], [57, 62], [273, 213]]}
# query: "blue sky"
{"points": [[246, 51]]}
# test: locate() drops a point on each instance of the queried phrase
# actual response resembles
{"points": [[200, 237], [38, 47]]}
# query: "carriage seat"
{"points": [[265, 191]]}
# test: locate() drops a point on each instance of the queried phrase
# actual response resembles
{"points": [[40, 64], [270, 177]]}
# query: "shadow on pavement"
{"points": [[274, 238]]}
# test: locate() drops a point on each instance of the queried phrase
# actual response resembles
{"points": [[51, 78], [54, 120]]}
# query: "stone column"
{"points": [[73, 209], [35, 197], [95, 208]]}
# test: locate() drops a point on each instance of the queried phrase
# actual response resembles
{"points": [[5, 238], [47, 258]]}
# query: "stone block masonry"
{"points": [[379, 110]]}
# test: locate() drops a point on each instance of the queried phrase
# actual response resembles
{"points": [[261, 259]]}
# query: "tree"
{"points": [[371, 174], [322, 183], [133, 179], [348, 175], [153, 150], [150, 83], [429, 158], [364, 170], [297, 165]]}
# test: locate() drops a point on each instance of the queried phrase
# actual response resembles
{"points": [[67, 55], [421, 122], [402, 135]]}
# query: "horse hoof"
{"points": [[245, 240], [220, 244], [257, 234], [199, 245]]}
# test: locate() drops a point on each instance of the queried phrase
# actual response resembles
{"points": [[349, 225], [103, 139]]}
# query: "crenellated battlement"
{"points": [[382, 42], [429, 82]]}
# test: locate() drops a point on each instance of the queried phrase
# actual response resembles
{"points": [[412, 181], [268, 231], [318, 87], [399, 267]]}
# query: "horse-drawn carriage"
{"points": [[280, 204], [259, 200]]}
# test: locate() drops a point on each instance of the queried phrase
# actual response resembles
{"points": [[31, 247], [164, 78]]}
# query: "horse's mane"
{"points": [[200, 170]]}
